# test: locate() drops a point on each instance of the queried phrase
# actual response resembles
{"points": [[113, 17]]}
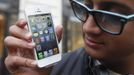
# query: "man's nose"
{"points": [[90, 26]]}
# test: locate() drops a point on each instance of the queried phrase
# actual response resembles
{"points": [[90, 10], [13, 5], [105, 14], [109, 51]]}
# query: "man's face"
{"points": [[104, 46]]}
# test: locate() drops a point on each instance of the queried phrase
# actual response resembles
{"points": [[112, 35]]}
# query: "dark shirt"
{"points": [[78, 63]]}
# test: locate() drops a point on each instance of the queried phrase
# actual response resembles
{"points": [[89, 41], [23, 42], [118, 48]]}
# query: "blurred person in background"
{"points": [[108, 33]]}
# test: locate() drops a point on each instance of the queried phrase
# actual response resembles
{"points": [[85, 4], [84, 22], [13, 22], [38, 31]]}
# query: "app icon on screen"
{"points": [[50, 30], [42, 39], [47, 38], [36, 34], [52, 36], [44, 25], [38, 47], [40, 55], [39, 26], [37, 40], [56, 51], [49, 24], [34, 29], [48, 17], [50, 52], [46, 31], [41, 32], [46, 54]]}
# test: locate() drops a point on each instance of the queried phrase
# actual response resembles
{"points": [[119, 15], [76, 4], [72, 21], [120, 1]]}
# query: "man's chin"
{"points": [[94, 53]]}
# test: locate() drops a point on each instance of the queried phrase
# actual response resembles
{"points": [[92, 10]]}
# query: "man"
{"points": [[108, 34]]}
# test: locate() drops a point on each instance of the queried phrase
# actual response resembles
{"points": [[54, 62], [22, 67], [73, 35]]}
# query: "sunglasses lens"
{"points": [[80, 12], [108, 22]]}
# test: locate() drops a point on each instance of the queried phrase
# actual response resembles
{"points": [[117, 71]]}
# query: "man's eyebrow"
{"points": [[115, 4]]}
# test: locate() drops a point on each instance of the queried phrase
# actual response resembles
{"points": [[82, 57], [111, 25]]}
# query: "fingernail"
{"points": [[34, 63], [31, 45], [22, 22], [28, 35]]}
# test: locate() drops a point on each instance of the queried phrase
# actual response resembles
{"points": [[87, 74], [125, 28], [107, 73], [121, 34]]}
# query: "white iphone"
{"points": [[41, 26]]}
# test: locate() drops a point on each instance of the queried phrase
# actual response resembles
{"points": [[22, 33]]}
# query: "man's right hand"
{"points": [[20, 59]]}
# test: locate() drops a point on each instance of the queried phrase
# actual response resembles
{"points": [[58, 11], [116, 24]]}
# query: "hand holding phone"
{"points": [[41, 26]]}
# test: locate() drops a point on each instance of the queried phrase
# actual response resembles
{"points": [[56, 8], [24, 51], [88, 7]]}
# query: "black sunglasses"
{"points": [[109, 22]]}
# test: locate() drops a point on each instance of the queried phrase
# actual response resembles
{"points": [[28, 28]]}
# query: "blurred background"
{"points": [[12, 10]]}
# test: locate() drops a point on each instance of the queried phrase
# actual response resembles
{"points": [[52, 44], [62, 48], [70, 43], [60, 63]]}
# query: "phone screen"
{"points": [[43, 34]]}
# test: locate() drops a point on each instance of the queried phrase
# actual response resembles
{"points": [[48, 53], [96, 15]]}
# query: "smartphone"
{"points": [[40, 24]]}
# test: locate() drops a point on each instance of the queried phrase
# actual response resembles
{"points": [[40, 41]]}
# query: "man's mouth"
{"points": [[93, 43]]}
